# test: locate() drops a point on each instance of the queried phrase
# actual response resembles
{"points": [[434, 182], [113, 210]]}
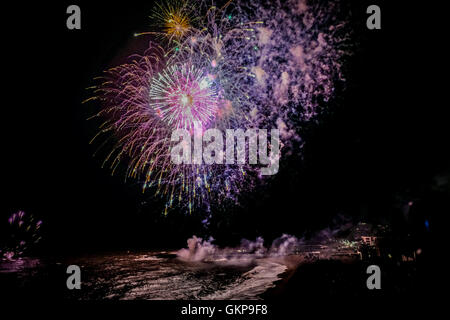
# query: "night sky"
{"points": [[382, 142]]}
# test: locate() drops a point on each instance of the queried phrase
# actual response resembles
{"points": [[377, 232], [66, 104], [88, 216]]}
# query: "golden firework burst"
{"points": [[174, 18]]}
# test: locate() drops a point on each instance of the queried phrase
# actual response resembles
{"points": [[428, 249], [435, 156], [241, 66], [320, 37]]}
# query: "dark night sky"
{"points": [[385, 136]]}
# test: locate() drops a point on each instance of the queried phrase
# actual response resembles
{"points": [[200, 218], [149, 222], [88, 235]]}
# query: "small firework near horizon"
{"points": [[21, 235]]}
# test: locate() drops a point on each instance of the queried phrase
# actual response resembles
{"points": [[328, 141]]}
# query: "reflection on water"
{"points": [[20, 265], [162, 276], [155, 275]]}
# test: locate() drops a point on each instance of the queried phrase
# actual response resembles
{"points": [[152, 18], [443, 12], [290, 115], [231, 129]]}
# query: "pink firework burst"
{"points": [[182, 94]]}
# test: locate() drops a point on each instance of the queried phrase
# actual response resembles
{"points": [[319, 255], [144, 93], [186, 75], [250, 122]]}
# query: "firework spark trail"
{"points": [[240, 66]]}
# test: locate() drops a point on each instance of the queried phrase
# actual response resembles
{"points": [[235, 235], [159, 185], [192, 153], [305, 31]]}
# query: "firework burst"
{"points": [[22, 234], [172, 20], [244, 65], [182, 95]]}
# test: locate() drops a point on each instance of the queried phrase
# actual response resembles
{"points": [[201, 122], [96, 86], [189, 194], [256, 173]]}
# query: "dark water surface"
{"points": [[157, 275]]}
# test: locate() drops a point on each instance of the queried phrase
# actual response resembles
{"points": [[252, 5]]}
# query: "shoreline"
{"points": [[292, 262]]}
